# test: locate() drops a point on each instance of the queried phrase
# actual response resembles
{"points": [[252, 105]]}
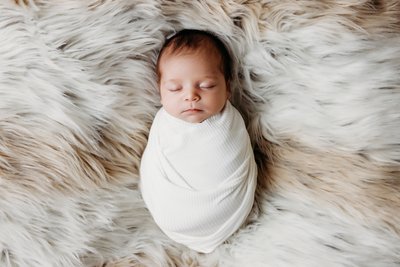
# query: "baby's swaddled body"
{"points": [[198, 179]]}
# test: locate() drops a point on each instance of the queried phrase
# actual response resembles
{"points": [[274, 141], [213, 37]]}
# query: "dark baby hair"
{"points": [[192, 40]]}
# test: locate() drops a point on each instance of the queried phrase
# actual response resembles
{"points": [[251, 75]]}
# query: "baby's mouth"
{"points": [[192, 110]]}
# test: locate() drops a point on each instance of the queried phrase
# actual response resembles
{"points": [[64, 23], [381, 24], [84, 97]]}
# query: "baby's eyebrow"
{"points": [[211, 77], [172, 81]]}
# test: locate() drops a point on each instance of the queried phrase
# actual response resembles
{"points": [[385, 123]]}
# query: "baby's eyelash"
{"points": [[173, 89], [207, 86]]}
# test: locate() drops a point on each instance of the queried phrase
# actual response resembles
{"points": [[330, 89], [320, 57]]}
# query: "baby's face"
{"points": [[192, 85]]}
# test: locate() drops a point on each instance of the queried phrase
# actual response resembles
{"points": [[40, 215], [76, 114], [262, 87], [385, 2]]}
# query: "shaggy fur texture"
{"points": [[318, 83]]}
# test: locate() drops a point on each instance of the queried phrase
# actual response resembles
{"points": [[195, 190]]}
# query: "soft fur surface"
{"points": [[318, 85]]}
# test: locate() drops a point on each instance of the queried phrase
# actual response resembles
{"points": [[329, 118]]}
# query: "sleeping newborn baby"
{"points": [[198, 173]]}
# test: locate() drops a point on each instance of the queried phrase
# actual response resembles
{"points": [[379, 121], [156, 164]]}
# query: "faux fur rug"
{"points": [[318, 83]]}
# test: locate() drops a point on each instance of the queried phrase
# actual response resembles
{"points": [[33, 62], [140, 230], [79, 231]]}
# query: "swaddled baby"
{"points": [[198, 173]]}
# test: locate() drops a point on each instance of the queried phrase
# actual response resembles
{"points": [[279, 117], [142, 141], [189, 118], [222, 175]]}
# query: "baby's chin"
{"points": [[194, 116]]}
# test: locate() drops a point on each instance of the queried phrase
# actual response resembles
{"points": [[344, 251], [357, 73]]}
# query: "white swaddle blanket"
{"points": [[198, 179]]}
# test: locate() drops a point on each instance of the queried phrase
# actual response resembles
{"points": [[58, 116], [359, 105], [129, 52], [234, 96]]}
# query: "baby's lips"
{"points": [[192, 110]]}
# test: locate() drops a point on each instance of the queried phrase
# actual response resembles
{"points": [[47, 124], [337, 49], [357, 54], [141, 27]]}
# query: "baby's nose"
{"points": [[192, 95]]}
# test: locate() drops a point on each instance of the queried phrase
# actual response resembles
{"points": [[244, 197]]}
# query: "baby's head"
{"points": [[194, 74]]}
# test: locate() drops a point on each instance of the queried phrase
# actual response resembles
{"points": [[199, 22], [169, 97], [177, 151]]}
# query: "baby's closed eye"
{"points": [[173, 88], [207, 85]]}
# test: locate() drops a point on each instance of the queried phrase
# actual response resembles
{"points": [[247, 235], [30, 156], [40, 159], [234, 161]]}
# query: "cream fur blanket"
{"points": [[198, 179], [318, 85]]}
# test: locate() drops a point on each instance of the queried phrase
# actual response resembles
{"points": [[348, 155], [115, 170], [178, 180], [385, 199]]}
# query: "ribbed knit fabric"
{"points": [[198, 179]]}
